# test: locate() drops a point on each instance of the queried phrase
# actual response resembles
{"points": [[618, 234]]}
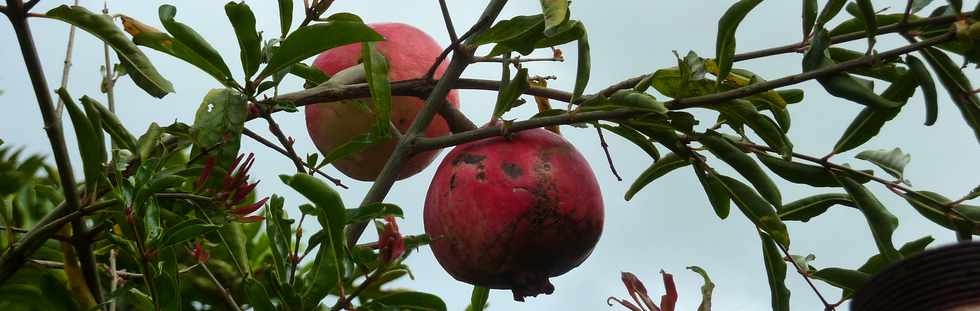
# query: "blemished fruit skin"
{"points": [[410, 53], [510, 213]]}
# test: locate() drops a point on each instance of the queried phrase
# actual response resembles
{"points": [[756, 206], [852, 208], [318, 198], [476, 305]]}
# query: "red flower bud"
{"points": [[391, 243], [199, 253], [243, 192], [205, 173], [248, 209]]}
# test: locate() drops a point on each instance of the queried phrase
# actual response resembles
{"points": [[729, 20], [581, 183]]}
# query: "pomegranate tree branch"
{"points": [[314, 11], [433, 103], [827, 306], [605, 148], [423, 143], [449, 23], [67, 66], [898, 27], [17, 14], [287, 143], [515, 60], [273, 146]]}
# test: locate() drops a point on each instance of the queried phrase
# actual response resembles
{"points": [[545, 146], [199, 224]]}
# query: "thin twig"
{"points": [[67, 67], [182, 195], [294, 259], [267, 143], [109, 80], [827, 306], [224, 292], [516, 60], [344, 301], [109, 269], [605, 148], [449, 22], [287, 143], [114, 274]]}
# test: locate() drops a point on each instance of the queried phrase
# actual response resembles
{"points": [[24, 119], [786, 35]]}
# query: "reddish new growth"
{"points": [[199, 253], [391, 243], [639, 294], [233, 190]]}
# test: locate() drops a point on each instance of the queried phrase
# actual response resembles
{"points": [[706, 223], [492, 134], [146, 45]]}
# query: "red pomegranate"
{"points": [[509, 213], [410, 52]]}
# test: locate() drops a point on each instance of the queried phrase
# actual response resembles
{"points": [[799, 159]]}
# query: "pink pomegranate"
{"points": [[410, 53], [512, 213]]}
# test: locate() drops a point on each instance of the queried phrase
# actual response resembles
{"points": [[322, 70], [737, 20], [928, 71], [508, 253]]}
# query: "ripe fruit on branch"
{"points": [[511, 213], [410, 52]]}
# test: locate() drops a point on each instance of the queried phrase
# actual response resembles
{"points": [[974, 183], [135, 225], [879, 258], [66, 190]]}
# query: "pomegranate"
{"points": [[410, 52], [510, 213]]}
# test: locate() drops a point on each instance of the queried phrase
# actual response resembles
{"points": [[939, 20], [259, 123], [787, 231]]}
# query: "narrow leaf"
{"points": [[775, 273], [848, 280], [806, 208], [809, 16], [555, 13], [285, 16], [137, 65], [756, 209], [89, 146], [892, 161], [743, 164], [660, 168], [478, 299], [313, 39], [715, 189], [257, 297], [511, 91], [869, 121], [376, 73], [584, 63], [957, 85], [634, 136], [410, 301], [829, 11], [881, 222], [727, 25], [249, 41], [706, 289], [189, 37], [928, 87]]}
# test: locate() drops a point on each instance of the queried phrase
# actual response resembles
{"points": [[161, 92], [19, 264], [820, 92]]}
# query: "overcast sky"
{"points": [[668, 226]]}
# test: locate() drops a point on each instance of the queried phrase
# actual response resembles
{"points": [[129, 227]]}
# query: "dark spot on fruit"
{"points": [[452, 182], [469, 158], [402, 121], [481, 176], [512, 170]]}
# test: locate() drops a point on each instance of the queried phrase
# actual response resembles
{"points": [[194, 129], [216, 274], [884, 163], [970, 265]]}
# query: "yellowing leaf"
{"points": [[735, 79], [134, 26]]}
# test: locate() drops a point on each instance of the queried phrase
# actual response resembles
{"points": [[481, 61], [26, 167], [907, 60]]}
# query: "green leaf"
{"points": [[829, 11], [634, 136], [555, 13], [809, 16], [791, 96], [918, 5], [376, 73], [880, 220], [674, 83], [975, 193], [892, 161], [638, 100], [510, 29], [848, 280], [373, 211], [745, 112], [257, 297], [883, 70], [511, 91], [414, 301], [869, 121], [312, 75], [956, 5], [149, 140], [168, 282], [313, 39], [934, 207], [877, 262], [928, 85], [138, 66], [165, 43], [727, 25], [356, 144], [957, 85], [249, 41], [743, 164], [584, 62], [666, 164], [867, 11], [277, 228], [816, 176], [706, 289], [715, 189], [184, 231], [90, 145], [189, 37], [756, 209], [151, 221], [841, 85], [478, 299], [285, 16], [806, 208], [775, 273], [330, 213], [218, 125]]}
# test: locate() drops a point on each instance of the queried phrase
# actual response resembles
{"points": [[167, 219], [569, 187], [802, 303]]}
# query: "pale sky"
{"points": [[667, 226]]}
